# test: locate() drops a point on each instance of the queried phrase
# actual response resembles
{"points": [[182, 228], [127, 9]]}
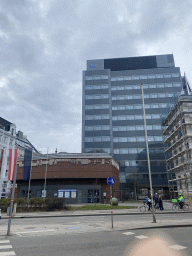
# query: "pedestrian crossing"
{"points": [[175, 247], [6, 248]]}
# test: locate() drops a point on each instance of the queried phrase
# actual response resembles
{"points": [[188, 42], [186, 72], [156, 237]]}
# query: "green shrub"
{"points": [[53, 204], [5, 202], [36, 201], [21, 201]]}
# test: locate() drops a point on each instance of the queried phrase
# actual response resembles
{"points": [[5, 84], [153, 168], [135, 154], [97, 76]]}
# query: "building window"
{"points": [[116, 151], [141, 139], [121, 107], [122, 139], [159, 75], [167, 75], [130, 117], [132, 139], [151, 76], [135, 77], [104, 77], [153, 95], [138, 117], [168, 85], [143, 77], [149, 127], [124, 151], [88, 78], [155, 116], [115, 128], [152, 85], [136, 86], [132, 151], [131, 128], [114, 108], [146, 96], [137, 106], [127, 77], [138, 96], [129, 87], [140, 127], [154, 105], [121, 117], [161, 95], [122, 128], [160, 86]]}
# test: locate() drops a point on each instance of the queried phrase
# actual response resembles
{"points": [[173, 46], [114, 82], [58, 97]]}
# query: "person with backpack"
{"points": [[181, 201]]}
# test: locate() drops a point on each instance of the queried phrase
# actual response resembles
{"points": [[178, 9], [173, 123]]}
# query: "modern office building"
{"points": [[112, 115], [178, 129]]}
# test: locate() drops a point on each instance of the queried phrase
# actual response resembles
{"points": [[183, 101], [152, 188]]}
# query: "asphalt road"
{"points": [[121, 243]]}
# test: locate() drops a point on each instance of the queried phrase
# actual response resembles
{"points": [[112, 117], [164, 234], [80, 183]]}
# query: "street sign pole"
{"points": [[111, 207], [111, 182]]}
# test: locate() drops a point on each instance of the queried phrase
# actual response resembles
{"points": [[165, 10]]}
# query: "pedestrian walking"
{"points": [[160, 203], [156, 200]]}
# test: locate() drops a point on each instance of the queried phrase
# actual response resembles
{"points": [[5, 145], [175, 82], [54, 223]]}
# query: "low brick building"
{"points": [[79, 178]]}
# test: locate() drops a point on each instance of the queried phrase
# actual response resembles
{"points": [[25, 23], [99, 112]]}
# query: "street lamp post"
{"points": [[148, 159]]}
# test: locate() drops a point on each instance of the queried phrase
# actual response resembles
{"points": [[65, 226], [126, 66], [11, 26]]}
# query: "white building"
{"points": [[178, 129], [7, 141]]}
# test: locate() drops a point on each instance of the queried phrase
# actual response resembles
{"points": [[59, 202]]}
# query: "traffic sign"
{"points": [[111, 181]]}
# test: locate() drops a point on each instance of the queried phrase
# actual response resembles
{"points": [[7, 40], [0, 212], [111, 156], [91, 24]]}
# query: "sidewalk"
{"points": [[167, 207]]}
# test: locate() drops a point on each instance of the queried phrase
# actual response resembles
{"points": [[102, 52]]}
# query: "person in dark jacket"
{"points": [[160, 203], [156, 200]]}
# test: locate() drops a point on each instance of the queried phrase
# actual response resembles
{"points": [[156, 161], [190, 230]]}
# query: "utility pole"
{"points": [[45, 176], [149, 166]]}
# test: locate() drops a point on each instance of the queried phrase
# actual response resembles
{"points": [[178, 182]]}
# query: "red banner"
{"points": [[12, 163]]}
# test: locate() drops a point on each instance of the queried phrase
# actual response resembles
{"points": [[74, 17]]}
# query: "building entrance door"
{"points": [[93, 195]]}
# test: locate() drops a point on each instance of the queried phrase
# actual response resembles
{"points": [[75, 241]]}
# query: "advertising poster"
{"points": [[60, 193], [73, 194], [67, 194]]}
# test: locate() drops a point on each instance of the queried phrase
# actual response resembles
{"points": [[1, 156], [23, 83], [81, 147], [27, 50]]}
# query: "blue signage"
{"points": [[111, 181], [92, 66]]}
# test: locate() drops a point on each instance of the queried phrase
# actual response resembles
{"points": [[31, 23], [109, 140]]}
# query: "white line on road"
{"points": [[51, 230], [177, 247], [7, 253], [4, 242], [128, 233], [141, 237], [76, 222], [5, 247]]}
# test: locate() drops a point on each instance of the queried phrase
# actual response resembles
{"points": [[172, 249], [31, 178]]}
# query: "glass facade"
{"points": [[113, 113]]}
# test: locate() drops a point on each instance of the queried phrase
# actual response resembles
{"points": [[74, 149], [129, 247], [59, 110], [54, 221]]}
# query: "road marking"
{"points": [[7, 253], [36, 231], [75, 222], [74, 228], [4, 242], [177, 247], [141, 237], [128, 233], [6, 247]]}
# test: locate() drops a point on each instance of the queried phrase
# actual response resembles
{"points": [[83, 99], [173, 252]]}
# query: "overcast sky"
{"points": [[44, 45]]}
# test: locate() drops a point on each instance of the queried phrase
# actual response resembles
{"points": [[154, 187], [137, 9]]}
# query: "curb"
{"points": [[167, 226], [98, 214]]}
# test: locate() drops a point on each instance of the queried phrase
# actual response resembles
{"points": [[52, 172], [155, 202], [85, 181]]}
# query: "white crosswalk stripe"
{"points": [[129, 233], [177, 247], [7, 253], [5, 247]]}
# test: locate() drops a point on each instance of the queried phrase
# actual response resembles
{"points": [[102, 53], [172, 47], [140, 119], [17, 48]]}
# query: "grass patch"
{"points": [[100, 207]]}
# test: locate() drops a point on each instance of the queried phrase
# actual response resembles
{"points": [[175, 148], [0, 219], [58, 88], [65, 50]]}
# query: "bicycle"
{"points": [[176, 206], [144, 208]]}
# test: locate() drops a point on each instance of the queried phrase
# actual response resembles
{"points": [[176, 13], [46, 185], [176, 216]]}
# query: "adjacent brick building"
{"points": [[79, 178]]}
